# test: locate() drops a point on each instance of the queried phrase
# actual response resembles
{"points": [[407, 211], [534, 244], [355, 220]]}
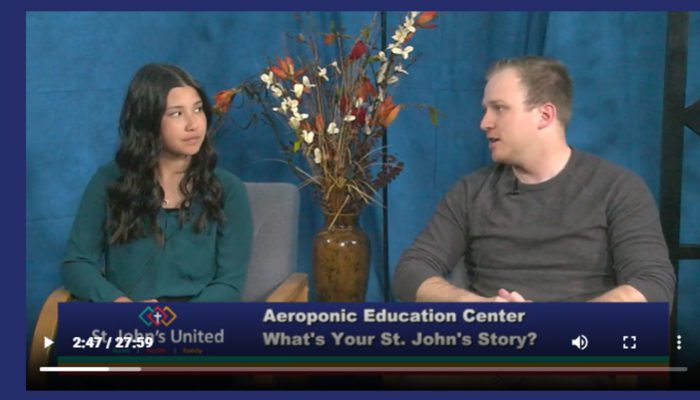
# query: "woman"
{"points": [[163, 220]]}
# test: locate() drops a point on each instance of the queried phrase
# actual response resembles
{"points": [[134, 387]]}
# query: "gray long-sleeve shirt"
{"points": [[591, 228]]}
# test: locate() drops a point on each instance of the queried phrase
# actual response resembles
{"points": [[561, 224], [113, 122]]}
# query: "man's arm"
{"points": [[437, 289], [639, 253], [420, 273], [435, 252], [622, 293]]}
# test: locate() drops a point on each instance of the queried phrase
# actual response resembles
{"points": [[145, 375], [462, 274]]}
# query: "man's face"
{"points": [[510, 126]]}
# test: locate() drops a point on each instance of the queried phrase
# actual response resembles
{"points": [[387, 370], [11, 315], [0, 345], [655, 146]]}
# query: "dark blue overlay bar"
{"points": [[368, 329]]}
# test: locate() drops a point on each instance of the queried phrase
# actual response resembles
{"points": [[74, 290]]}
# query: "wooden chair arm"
{"points": [[294, 289], [46, 325]]}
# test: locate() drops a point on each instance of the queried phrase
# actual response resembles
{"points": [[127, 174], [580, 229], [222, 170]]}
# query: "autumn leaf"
{"points": [[387, 112], [366, 89], [223, 100], [424, 18], [329, 38], [433, 113], [358, 50]]}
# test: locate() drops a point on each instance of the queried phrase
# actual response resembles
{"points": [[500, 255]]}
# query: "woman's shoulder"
{"points": [[105, 175], [229, 181], [109, 171]]}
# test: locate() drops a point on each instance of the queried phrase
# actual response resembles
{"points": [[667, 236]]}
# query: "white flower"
{"points": [[334, 64], [380, 95], [306, 82], [382, 56], [382, 72], [294, 122], [296, 118], [359, 102], [293, 105], [408, 25], [284, 106], [300, 117], [308, 136], [349, 118], [403, 52], [399, 68], [298, 90], [332, 129], [400, 35], [276, 91], [289, 104], [317, 155], [268, 79], [368, 130], [392, 80], [322, 73], [414, 14]]}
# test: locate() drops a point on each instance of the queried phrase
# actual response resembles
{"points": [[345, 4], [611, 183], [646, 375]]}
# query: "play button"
{"points": [[47, 342]]}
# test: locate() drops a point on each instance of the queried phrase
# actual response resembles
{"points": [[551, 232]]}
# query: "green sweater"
{"points": [[206, 266]]}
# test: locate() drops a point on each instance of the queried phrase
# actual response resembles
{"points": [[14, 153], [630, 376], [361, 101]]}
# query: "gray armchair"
{"points": [[272, 275], [275, 209]]}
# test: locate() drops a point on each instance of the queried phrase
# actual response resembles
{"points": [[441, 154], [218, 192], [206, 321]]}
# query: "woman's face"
{"points": [[184, 124]]}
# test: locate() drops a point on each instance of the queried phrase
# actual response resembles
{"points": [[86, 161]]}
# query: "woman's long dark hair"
{"points": [[136, 197]]}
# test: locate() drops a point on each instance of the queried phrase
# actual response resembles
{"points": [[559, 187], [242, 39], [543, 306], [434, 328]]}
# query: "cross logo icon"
{"points": [[157, 316]]}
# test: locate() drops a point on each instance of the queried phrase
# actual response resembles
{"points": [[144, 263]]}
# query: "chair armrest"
{"points": [[294, 289], [46, 325]]}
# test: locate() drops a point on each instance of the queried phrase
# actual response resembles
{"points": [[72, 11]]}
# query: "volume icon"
{"points": [[580, 342]]}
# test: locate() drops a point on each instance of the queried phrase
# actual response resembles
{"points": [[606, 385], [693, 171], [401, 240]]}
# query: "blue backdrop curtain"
{"points": [[617, 63], [79, 64]]}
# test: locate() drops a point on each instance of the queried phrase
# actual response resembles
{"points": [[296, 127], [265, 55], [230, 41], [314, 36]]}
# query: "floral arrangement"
{"points": [[336, 113]]}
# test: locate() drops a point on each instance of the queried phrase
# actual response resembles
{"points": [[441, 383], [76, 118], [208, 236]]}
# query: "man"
{"points": [[545, 222]]}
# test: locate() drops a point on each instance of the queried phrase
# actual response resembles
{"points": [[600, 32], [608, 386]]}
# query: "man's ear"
{"points": [[547, 115]]}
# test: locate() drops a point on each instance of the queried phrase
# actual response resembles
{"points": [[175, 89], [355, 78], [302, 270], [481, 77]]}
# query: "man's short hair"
{"points": [[545, 80]]}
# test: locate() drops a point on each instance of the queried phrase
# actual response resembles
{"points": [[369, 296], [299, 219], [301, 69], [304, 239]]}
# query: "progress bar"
{"points": [[90, 369], [362, 369]]}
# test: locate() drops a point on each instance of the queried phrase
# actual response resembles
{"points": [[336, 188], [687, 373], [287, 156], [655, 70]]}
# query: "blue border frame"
{"points": [[13, 201]]}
